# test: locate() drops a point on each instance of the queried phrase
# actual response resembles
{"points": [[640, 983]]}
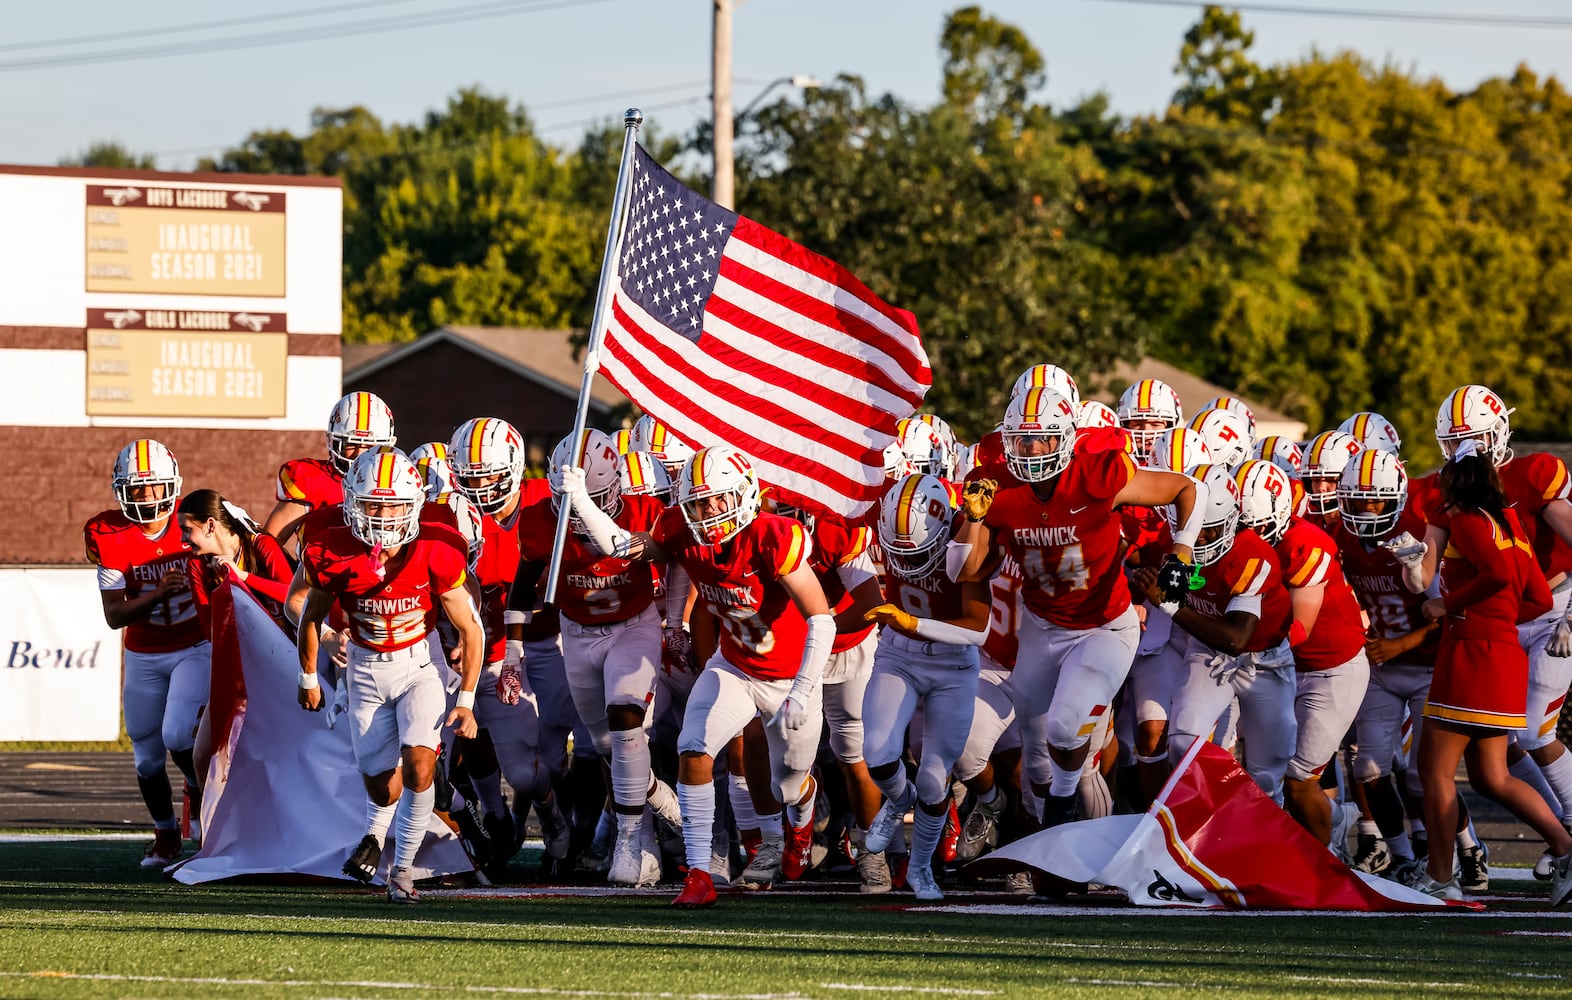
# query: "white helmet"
{"points": [[947, 438], [1473, 411], [921, 447], [914, 526], [1234, 404], [655, 437], [1149, 399], [1374, 474], [360, 419], [622, 440], [468, 518], [1372, 430], [1036, 416], [719, 470], [1178, 449], [894, 461], [431, 461], [1283, 452], [1266, 499], [1094, 414], [642, 475], [1327, 454], [802, 515], [1221, 513], [1047, 377], [145, 462], [487, 456], [597, 456], [1227, 434], [965, 460], [382, 478]]}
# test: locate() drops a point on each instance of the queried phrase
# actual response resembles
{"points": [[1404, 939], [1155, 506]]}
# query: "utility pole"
{"points": [[723, 185]]}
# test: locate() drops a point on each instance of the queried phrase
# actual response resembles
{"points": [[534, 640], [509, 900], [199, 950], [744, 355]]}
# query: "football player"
{"points": [[390, 571], [753, 575], [1325, 458], [141, 559], [1147, 409], [1372, 430], [651, 435], [359, 422], [927, 652], [1228, 435], [1079, 631]]}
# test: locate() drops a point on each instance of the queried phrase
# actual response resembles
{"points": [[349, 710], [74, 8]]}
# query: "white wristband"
{"points": [[466, 699], [308, 680]]}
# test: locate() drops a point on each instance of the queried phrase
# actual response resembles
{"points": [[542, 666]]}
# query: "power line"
{"points": [[1427, 17], [181, 29], [344, 29]]}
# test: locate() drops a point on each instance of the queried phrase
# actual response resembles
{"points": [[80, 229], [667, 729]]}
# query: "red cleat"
{"points": [[950, 839], [798, 849], [698, 891]]}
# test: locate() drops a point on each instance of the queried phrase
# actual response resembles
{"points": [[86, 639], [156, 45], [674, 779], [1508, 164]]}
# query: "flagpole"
{"points": [[631, 120]]}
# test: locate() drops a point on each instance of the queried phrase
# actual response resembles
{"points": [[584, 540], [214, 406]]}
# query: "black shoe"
{"points": [[472, 831], [442, 786], [1060, 809], [364, 859]]}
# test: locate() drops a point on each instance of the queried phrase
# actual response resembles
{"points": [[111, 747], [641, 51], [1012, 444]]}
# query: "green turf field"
{"points": [[78, 919]]}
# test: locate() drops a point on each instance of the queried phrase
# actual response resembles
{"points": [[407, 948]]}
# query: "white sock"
{"points": [[798, 814], [771, 831], [414, 816], [1466, 838], [1558, 775], [1064, 781], [1401, 847], [742, 803], [630, 767], [1368, 828], [172, 823], [1528, 772], [897, 790], [698, 815], [926, 829], [628, 824], [378, 819], [987, 798]]}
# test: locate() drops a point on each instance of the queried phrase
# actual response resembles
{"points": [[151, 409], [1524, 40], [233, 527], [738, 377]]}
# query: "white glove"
{"points": [[573, 481], [1561, 642], [1223, 667], [793, 714], [1407, 549], [339, 705]]}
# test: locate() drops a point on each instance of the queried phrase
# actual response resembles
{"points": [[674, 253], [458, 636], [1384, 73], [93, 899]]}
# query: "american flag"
{"points": [[729, 333]]}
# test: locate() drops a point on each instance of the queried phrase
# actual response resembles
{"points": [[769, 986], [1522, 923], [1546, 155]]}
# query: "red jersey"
{"points": [[1307, 557], [1377, 579], [1004, 615], [312, 482], [1142, 526], [394, 605], [1248, 569], [127, 559], [499, 564], [836, 543], [1489, 581], [762, 632], [268, 580], [1532, 483], [593, 589], [1069, 546]]}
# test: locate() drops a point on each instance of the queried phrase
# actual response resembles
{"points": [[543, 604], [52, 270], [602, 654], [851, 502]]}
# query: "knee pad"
{"points": [[846, 741], [932, 786], [1066, 732], [1367, 769], [149, 756], [789, 786]]}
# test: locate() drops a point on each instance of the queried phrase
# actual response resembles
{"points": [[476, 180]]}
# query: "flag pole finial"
{"points": [[632, 118]]}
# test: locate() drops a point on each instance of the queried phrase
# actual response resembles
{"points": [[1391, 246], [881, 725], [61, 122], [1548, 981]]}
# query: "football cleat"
{"points": [[1420, 881], [887, 825], [765, 867], [1371, 855], [950, 836], [981, 824], [1473, 872], [873, 872], [401, 887], [1019, 884], [698, 891], [163, 850], [797, 853], [1543, 868], [627, 866], [364, 860], [554, 827], [1060, 809], [1561, 880], [924, 885]]}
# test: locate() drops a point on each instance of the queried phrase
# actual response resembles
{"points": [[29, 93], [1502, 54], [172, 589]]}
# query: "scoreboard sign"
{"points": [[185, 241], [186, 363]]}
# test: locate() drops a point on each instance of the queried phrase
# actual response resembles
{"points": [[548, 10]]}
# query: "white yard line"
{"points": [[943, 990], [433, 988]]}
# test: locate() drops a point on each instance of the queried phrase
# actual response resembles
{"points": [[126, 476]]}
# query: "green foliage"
{"points": [[111, 155], [1323, 235]]}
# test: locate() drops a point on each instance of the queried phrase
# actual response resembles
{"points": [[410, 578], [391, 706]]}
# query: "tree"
{"points": [[111, 155]]}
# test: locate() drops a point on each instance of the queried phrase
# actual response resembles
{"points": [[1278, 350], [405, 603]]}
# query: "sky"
{"points": [[573, 61]]}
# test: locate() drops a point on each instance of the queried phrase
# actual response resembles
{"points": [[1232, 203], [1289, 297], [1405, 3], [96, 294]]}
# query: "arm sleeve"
{"points": [[1474, 540], [815, 654], [857, 571], [937, 631], [521, 596]]}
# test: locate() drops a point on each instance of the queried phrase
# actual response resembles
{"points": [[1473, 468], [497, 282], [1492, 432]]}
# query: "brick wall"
{"points": [[59, 478]]}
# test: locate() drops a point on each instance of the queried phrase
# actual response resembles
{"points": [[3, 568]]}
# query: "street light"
{"points": [[800, 81]]}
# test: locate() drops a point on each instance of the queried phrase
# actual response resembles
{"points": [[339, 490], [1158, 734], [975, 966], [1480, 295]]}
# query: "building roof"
{"points": [[547, 357], [1193, 391]]}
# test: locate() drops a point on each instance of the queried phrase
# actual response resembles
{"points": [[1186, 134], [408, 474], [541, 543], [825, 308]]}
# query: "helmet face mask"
{"points": [[1039, 435], [1266, 499], [1328, 454], [487, 458], [718, 493], [383, 494], [651, 435], [597, 456], [1147, 409], [1372, 494], [146, 481], [359, 422], [642, 474]]}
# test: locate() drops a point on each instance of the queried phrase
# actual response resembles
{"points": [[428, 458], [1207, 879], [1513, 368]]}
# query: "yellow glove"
{"points": [[977, 497], [889, 614]]}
